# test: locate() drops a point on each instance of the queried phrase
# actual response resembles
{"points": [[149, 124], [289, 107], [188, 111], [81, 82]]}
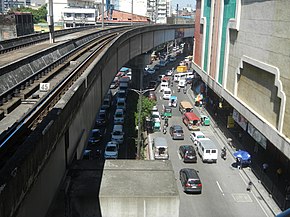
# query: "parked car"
{"points": [[152, 85], [96, 136], [172, 59], [111, 150], [102, 117], [118, 134], [190, 180], [121, 94], [150, 71], [119, 116], [195, 136], [176, 132], [188, 153]]}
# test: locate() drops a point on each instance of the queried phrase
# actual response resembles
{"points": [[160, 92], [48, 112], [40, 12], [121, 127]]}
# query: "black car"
{"points": [[188, 153], [152, 85], [96, 136], [190, 180], [101, 119]]}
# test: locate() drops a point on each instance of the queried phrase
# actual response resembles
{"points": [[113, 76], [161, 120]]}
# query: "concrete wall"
{"points": [[264, 37], [41, 162], [140, 206], [258, 49]]}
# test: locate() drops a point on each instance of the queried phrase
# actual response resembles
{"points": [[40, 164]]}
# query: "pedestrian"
{"points": [[279, 173], [265, 167], [249, 187], [238, 162]]}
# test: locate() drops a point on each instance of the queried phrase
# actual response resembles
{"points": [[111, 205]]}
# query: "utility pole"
{"points": [[50, 21], [131, 12], [176, 22], [102, 9]]}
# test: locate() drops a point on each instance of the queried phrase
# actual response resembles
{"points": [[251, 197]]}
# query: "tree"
{"points": [[147, 106], [39, 15]]}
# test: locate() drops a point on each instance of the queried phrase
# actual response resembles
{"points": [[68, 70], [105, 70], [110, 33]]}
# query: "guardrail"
{"points": [[23, 41]]}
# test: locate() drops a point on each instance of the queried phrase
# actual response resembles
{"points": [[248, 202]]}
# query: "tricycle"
{"points": [[172, 101]]}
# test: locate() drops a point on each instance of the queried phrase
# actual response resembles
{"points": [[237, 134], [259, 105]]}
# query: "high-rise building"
{"points": [[156, 10]]}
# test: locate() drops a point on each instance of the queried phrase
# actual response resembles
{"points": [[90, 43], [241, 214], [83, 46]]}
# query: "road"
{"points": [[224, 189]]}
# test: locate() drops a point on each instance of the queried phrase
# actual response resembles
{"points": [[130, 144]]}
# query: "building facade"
{"points": [[241, 52]]}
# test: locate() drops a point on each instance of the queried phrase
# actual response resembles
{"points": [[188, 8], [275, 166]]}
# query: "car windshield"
{"points": [[119, 115], [102, 116], [117, 133], [111, 148], [96, 134]]}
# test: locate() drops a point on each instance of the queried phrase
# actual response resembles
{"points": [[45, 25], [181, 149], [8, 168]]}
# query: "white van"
{"points": [[181, 83], [166, 93], [207, 150], [163, 85], [118, 134], [160, 148]]}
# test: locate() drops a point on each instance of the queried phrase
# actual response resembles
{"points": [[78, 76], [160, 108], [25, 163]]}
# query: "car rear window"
{"points": [[200, 136], [194, 181], [178, 131]]}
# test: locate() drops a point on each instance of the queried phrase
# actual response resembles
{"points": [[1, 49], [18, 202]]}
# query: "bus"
{"points": [[182, 76]]}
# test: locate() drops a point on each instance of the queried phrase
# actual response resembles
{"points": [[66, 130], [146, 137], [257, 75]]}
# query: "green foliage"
{"points": [[147, 106], [39, 15]]}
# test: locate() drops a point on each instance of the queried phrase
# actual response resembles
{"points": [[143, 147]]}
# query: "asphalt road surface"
{"points": [[224, 189]]}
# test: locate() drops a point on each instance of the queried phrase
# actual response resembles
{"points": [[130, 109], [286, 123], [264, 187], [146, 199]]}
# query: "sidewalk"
{"points": [[258, 189]]}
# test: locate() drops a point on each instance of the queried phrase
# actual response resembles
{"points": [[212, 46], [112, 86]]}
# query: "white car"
{"points": [[118, 134], [119, 116], [195, 136], [169, 72], [111, 150], [166, 93], [156, 116]]}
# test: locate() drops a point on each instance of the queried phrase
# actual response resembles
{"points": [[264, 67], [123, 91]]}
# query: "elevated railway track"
{"points": [[16, 134]]}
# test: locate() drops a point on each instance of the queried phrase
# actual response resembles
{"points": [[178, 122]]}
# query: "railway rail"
{"points": [[12, 138]]}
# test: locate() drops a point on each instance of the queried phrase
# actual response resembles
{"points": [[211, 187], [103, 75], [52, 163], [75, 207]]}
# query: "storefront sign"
{"points": [[257, 136], [230, 122], [240, 119]]}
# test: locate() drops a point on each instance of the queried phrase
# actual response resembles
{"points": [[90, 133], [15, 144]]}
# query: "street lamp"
{"points": [[140, 93]]}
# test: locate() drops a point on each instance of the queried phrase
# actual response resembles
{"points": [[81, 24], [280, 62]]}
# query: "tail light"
{"points": [[187, 185], [199, 185]]}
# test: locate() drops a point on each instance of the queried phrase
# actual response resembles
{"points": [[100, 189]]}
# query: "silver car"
{"points": [[176, 132]]}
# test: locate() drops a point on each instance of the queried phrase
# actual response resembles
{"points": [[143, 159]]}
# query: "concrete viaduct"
{"points": [[42, 161]]}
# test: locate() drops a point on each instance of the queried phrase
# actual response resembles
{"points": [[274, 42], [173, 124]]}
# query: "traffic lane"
{"points": [[222, 184]]}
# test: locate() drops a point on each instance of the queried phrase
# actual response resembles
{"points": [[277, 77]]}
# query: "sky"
{"points": [[183, 3]]}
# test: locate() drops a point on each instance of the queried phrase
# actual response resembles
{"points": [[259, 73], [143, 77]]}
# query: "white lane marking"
{"points": [[220, 187], [179, 155]]}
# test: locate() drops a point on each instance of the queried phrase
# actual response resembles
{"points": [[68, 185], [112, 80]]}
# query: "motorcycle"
{"points": [[166, 122], [178, 89], [164, 130], [184, 90], [224, 153]]}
